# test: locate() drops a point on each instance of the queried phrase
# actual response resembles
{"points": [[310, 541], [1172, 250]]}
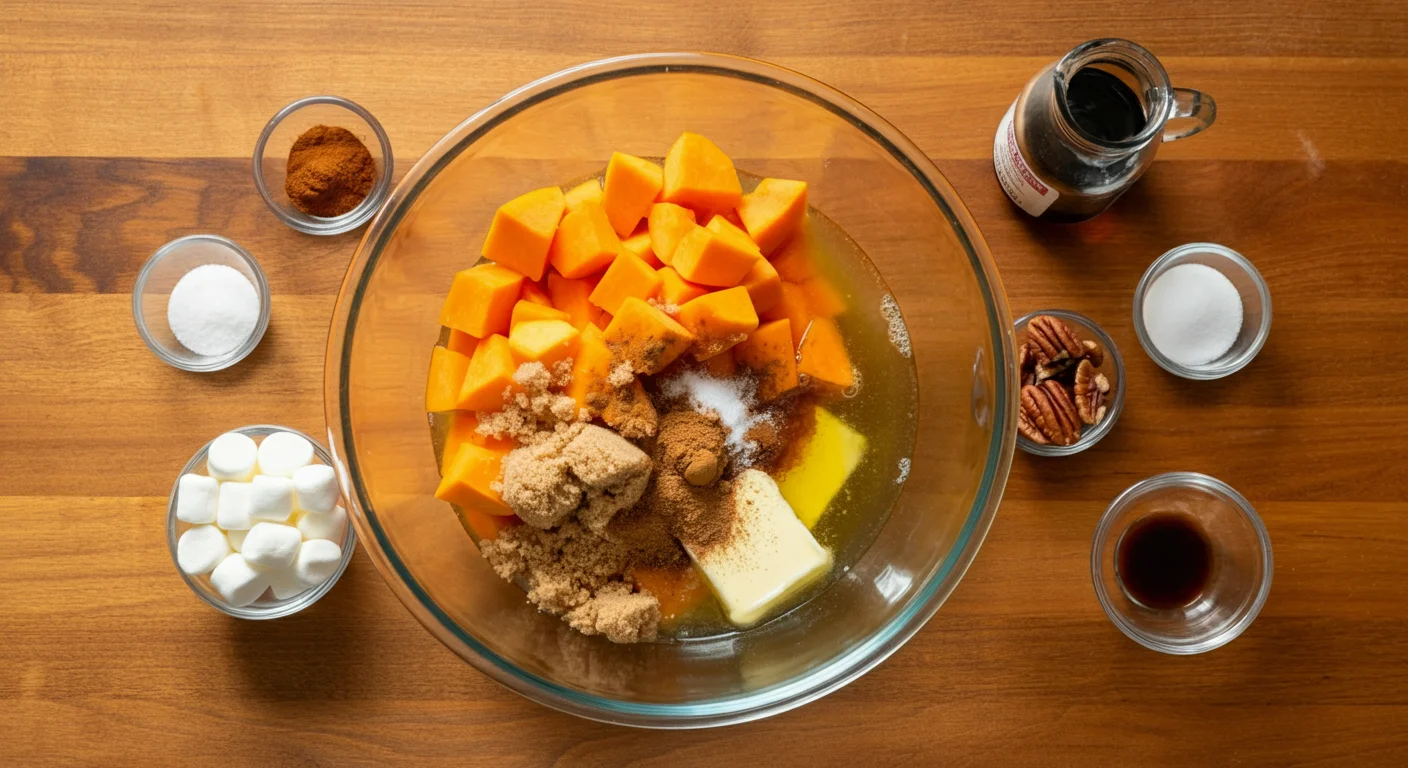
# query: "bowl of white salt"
{"points": [[201, 303], [1202, 311]]}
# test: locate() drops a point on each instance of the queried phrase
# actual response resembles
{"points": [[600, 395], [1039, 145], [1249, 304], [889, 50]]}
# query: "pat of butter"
{"points": [[767, 558], [830, 457]]}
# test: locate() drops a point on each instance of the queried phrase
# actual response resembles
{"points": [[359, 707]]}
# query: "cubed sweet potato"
{"points": [[764, 285], [573, 297], [718, 255], [645, 337], [590, 370], [490, 374], [699, 175], [447, 370], [668, 224], [462, 343], [481, 300], [677, 290], [523, 229], [627, 276], [587, 190], [822, 356], [793, 307], [773, 211], [718, 320], [469, 478], [526, 311], [585, 243], [639, 244], [543, 341], [770, 354], [631, 186]]}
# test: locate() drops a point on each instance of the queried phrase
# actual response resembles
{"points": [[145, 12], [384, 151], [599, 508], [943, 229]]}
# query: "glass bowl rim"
{"points": [[1202, 372], [1201, 482], [1116, 407], [336, 225], [208, 363], [296, 603], [824, 678]]}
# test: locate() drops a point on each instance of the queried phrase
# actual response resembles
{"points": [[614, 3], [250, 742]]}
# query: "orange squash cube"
{"points": [[773, 211], [442, 387], [792, 307], [526, 311], [585, 243], [718, 255], [627, 276], [522, 231], [795, 260], [587, 190], [822, 355], [699, 175], [722, 365], [631, 186], [679, 590], [462, 343], [668, 224], [602, 321], [464, 428], [590, 370], [645, 337], [543, 341], [677, 290], [573, 297], [481, 300], [490, 374], [768, 352], [823, 298], [719, 320], [534, 292], [468, 480], [482, 526], [764, 285], [639, 244]]}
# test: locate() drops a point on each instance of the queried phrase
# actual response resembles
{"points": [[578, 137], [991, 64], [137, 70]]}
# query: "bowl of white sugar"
{"points": [[201, 303], [1202, 311]]}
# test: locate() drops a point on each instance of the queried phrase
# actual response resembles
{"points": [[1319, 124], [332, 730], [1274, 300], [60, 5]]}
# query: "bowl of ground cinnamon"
{"points": [[323, 165]]}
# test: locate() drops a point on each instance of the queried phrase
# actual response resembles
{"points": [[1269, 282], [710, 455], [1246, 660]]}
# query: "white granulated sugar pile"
{"points": [[212, 309], [1193, 314], [733, 401]]}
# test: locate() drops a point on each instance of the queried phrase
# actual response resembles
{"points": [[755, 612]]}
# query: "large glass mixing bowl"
{"points": [[867, 178]]}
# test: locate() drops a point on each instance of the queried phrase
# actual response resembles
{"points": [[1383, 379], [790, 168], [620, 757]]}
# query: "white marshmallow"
{"points": [[232, 510], [282, 453], [196, 498], [200, 549], [237, 581], [319, 525], [231, 457], [270, 498], [317, 561], [316, 486], [285, 583], [271, 545], [236, 538]]}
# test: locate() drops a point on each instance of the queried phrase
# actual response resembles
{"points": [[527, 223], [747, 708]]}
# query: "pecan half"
{"points": [[1048, 408], [1026, 364], [1029, 429], [1090, 390], [1052, 370], [1094, 353], [1054, 340]]}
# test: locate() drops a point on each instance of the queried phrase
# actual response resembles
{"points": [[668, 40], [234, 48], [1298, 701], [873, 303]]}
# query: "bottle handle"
{"points": [[1193, 111]]}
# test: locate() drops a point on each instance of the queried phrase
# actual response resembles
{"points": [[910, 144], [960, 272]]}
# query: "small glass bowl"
{"points": [[271, 160], [266, 607], [160, 274], [1256, 308], [1113, 368], [1237, 586]]}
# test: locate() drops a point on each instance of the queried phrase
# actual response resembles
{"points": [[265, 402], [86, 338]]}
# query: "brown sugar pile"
{"points": [[535, 410], [574, 573], [581, 469], [329, 172]]}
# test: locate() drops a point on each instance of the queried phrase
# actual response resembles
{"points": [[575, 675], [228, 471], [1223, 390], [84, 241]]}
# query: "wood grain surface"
{"points": [[124, 126]]}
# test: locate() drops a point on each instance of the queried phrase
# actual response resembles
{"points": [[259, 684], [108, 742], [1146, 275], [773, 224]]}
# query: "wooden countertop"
{"points": [[122, 127]]}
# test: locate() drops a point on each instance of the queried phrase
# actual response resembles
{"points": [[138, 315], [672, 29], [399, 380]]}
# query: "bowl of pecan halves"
{"points": [[1072, 383]]}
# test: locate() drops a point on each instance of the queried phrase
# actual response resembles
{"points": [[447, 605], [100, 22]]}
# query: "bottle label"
{"points": [[1026, 189]]}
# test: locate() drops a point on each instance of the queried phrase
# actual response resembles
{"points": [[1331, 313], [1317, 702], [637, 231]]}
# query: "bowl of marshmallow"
{"points": [[256, 524]]}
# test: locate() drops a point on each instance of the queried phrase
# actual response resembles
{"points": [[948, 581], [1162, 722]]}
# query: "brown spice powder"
{"points": [[329, 172]]}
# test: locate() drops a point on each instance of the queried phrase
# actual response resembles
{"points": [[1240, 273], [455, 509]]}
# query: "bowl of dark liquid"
{"points": [[1181, 563]]}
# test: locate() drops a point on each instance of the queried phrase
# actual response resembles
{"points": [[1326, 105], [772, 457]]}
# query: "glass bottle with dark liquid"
{"points": [[1087, 127], [1164, 561]]}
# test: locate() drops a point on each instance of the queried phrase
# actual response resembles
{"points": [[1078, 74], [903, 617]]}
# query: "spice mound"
{"points": [[329, 172]]}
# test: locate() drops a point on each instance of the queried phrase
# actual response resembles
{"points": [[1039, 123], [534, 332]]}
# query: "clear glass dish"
{"points": [[1240, 577], [868, 179], [160, 274], [267, 606], [271, 158], [1113, 368], [1256, 308]]}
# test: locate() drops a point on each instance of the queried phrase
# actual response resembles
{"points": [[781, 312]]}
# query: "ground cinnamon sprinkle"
{"points": [[329, 172]]}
